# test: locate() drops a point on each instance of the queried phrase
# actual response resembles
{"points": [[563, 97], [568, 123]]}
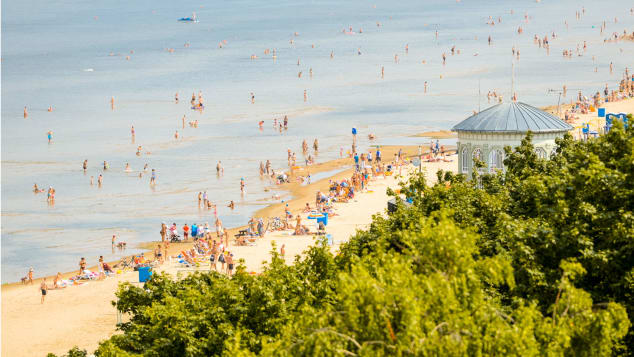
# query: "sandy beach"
{"points": [[596, 123], [83, 315], [100, 142]]}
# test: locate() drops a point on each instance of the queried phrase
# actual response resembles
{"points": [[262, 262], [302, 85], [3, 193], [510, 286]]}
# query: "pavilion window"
{"points": [[465, 160], [496, 160]]}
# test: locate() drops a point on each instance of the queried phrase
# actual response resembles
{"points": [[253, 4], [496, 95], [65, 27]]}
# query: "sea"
{"points": [[74, 56]]}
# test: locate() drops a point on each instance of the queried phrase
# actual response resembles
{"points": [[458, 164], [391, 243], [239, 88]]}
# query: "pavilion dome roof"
{"points": [[513, 117]]}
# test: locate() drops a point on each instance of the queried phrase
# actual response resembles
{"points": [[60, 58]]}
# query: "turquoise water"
{"points": [[58, 53]]}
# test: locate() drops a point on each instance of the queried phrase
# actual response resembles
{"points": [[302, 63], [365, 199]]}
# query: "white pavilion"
{"points": [[485, 134]]}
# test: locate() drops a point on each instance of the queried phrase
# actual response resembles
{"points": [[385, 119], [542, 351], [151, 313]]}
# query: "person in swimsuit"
{"points": [[44, 288], [82, 266], [85, 165], [221, 259], [153, 178], [158, 254], [102, 273], [212, 258], [50, 136], [163, 231], [56, 281], [229, 263]]}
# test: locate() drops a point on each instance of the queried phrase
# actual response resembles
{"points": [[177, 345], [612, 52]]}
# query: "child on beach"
{"points": [[44, 288]]}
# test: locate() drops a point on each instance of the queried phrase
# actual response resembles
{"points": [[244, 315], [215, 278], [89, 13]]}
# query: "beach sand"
{"points": [[596, 123], [437, 134], [83, 315]]}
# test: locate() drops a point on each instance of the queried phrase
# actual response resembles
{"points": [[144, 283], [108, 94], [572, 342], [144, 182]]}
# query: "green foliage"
{"points": [[537, 260], [74, 352]]}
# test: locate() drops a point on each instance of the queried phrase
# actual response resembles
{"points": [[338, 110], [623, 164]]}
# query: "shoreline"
{"points": [[89, 304], [299, 195]]}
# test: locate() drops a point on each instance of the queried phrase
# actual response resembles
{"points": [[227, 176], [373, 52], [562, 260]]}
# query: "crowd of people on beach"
{"points": [[367, 166], [583, 104]]}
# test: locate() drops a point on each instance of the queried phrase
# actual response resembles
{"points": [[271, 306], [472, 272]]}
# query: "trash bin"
{"points": [[144, 274], [323, 219]]}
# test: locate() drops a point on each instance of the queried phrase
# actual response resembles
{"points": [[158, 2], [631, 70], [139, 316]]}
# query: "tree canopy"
{"points": [[536, 260]]}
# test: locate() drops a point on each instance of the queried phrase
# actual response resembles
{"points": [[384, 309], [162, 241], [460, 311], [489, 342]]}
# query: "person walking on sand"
{"points": [[44, 288], [221, 259], [229, 263], [158, 255], [212, 257], [30, 275]]}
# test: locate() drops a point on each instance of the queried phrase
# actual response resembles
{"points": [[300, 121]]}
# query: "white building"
{"points": [[484, 135]]}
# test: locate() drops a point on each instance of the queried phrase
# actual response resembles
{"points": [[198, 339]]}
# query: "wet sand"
{"points": [[437, 134]]}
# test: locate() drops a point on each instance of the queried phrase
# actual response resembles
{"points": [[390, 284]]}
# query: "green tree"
{"points": [[536, 260]]}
